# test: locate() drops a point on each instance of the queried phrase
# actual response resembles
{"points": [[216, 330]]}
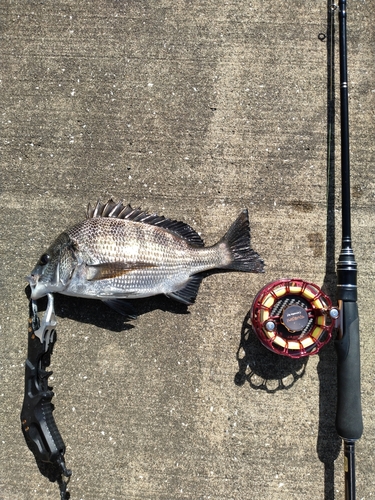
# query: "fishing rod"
{"points": [[295, 318], [349, 423]]}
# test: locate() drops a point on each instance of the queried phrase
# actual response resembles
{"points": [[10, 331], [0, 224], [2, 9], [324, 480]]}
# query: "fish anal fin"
{"points": [[110, 270], [188, 293]]}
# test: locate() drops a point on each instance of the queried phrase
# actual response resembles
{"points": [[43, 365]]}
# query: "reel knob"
{"points": [[293, 317]]}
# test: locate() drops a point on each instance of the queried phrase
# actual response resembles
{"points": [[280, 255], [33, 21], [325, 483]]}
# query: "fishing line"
{"points": [[293, 317]]}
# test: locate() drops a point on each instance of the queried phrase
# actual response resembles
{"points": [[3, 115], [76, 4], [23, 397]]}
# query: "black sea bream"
{"points": [[123, 253]]}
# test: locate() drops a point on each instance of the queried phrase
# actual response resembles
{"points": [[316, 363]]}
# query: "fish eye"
{"points": [[45, 258]]}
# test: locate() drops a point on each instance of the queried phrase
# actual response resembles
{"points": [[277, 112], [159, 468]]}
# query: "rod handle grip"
{"points": [[349, 424]]}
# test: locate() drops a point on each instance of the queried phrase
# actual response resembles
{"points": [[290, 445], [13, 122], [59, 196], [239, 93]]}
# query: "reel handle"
{"points": [[349, 423]]}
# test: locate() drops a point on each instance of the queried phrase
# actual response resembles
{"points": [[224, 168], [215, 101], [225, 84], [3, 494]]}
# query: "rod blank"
{"points": [[349, 424]]}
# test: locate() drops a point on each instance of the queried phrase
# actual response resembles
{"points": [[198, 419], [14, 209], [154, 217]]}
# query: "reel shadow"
{"points": [[261, 368]]}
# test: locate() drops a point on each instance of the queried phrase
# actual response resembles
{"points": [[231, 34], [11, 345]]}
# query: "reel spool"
{"points": [[293, 318]]}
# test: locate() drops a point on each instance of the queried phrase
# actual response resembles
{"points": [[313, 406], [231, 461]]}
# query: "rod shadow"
{"points": [[328, 442], [265, 370]]}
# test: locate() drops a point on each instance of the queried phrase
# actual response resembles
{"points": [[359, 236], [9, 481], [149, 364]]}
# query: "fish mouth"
{"points": [[31, 279], [35, 286]]}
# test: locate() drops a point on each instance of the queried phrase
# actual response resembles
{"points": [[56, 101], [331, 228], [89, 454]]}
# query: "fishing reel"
{"points": [[293, 318]]}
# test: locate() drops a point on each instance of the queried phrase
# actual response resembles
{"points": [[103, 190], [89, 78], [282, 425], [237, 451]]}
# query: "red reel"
{"points": [[293, 318]]}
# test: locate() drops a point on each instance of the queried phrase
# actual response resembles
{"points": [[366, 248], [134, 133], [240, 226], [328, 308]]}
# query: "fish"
{"points": [[119, 252]]}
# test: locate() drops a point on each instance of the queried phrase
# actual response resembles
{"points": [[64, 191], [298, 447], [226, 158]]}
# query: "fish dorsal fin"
{"points": [[126, 212]]}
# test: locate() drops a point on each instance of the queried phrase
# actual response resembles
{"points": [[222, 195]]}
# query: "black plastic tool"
{"points": [[38, 424]]}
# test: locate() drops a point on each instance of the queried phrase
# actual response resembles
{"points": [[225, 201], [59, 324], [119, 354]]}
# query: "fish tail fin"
{"points": [[237, 241]]}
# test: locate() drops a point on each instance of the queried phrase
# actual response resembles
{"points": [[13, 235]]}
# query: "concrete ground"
{"points": [[193, 110]]}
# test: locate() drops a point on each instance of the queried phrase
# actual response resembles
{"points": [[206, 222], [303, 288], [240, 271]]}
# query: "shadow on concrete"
{"points": [[95, 312], [328, 442], [265, 370]]}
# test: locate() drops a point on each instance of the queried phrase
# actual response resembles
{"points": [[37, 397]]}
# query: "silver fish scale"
{"points": [[159, 261], [121, 252]]}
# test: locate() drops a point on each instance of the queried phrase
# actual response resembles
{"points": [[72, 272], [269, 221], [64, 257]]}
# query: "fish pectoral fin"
{"points": [[110, 270], [188, 293], [122, 306]]}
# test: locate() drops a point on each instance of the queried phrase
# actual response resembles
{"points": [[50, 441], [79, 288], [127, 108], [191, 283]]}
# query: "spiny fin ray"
{"points": [[126, 212]]}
